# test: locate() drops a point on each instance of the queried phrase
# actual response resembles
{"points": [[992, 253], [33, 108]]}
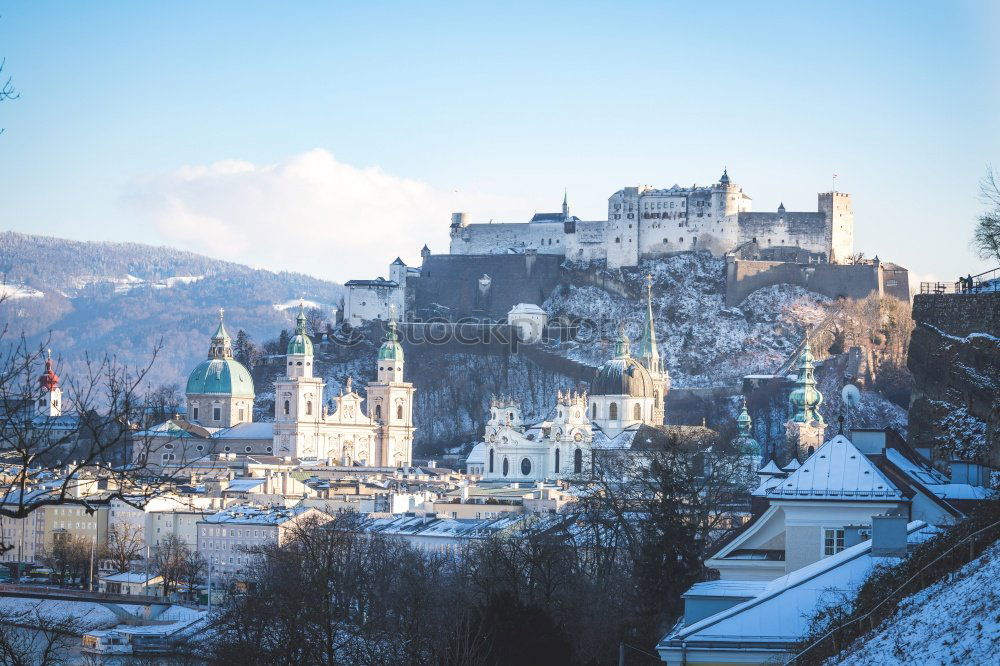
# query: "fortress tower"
{"points": [[838, 216]]}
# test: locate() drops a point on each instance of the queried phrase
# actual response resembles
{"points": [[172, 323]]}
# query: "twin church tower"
{"points": [[220, 397]]}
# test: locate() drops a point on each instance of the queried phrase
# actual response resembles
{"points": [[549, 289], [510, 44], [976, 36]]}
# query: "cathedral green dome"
{"points": [[224, 376], [300, 343], [391, 350], [623, 375]]}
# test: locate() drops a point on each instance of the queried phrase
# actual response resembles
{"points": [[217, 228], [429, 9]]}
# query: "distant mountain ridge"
{"points": [[124, 298]]}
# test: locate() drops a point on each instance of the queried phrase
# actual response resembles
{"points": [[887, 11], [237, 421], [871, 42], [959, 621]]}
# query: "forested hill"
{"points": [[123, 298]]}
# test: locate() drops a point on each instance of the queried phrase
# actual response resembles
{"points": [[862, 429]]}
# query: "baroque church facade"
{"points": [[373, 432], [625, 402]]}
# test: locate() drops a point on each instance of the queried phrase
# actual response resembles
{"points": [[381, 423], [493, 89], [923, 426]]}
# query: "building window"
{"points": [[577, 461], [378, 411], [216, 414], [613, 411], [399, 412], [593, 411], [228, 449], [194, 413], [525, 467], [309, 407], [557, 461], [491, 461], [506, 467], [287, 407], [637, 412], [248, 449], [241, 413], [833, 541]]}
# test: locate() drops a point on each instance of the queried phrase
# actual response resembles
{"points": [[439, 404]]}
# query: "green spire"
{"points": [[221, 345], [743, 422], [648, 352], [744, 441], [622, 344], [220, 332], [806, 398], [300, 343], [391, 350]]}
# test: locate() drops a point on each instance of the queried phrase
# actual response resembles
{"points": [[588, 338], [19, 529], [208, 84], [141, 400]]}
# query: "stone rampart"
{"points": [[743, 277], [954, 357]]}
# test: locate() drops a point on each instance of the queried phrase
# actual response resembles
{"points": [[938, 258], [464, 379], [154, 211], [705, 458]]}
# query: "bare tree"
{"points": [[69, 556], [125, 545], [986, 237], [7, 89], [176, 563], [87, 452], [33, 638]]}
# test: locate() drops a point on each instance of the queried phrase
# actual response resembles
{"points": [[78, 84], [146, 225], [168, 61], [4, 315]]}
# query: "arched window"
{"points": [[577, 461], [309, 407], [506, 467], [557, 461], [613, 411], [525, 467], [593, 411], [378, 411], [491, 461], [287, 407], [399, 412], [637, 412]]}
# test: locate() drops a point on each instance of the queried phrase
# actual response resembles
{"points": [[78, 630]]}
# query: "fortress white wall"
{"points": [[646, 222]]}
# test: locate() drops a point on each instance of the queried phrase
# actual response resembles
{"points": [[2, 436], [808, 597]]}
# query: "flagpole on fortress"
{"points": [[833, 187]]}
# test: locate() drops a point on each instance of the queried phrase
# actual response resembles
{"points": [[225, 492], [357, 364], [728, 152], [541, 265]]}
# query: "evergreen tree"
{"points": [[245, 351]]}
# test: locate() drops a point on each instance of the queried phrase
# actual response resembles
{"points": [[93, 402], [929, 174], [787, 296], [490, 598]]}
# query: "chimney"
{"points": [[889, 536]]}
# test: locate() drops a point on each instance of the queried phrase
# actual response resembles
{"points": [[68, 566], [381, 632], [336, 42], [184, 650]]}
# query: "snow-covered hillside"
{"points": [[954, 621], [705, 343]]}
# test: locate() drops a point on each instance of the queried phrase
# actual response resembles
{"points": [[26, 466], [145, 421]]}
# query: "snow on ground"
{"points": [[14, 292], [84, 614], [954, 621], [704, 342], [294, 303]]}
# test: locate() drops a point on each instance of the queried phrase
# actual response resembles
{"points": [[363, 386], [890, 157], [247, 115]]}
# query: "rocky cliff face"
{"points": [[955, 360]]}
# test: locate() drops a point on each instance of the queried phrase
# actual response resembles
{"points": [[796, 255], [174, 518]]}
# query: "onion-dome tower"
{"points": [[50, 400], [805, 429]]}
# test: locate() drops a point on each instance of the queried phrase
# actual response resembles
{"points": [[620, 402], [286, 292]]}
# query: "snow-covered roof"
{"points": [[526, 308], [477, 455], [727, 588], [243, 514], [255, 430], [770, 468], [782, 611], [837, 470], [442, 527], [792, 465], [245, 485]]}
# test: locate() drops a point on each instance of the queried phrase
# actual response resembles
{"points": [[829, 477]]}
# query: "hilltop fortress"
{"points": [[645, 222], [491, 267]]}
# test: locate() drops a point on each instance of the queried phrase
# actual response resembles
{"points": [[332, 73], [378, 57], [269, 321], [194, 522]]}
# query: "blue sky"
{"points": [[350, 131]]}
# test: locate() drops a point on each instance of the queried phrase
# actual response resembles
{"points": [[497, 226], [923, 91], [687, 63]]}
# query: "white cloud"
{"points": [[309, 213]]}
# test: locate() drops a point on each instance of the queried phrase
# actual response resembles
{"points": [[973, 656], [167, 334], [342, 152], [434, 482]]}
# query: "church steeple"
{"points": [[806, 398], [649, 355], [221, 346], [622, 344], [565, 207]]}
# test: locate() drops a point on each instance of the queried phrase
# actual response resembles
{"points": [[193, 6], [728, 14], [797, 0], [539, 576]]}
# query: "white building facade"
{"points": [[645, 222]]}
